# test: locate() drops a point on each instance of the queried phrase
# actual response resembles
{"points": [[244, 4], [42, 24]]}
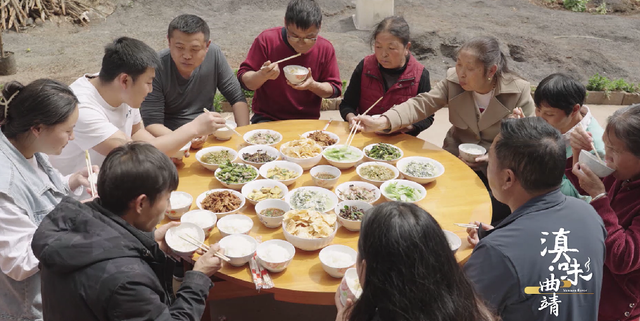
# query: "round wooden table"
{"points": [[457, 196]]}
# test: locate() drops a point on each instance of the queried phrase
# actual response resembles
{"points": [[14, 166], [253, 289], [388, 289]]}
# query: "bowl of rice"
{"points": [[350, 287], [211, 157], [304, 152], [180, 203], [182, 238], [275, 255], [454, 240], [239, 248], [337, 259], [235, 224], [203, 218], [422, 170], [469, 152], [295, 74]]}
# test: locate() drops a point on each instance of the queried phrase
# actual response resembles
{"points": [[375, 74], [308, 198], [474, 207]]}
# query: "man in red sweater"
{"points": [[276, 98], [616, 198]]}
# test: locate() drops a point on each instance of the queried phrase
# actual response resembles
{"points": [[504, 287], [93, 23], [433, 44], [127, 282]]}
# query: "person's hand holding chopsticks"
{"points": [[269, 71], [208, 123], [370, 124], [209, 263], [473, 238], [81, 178]]}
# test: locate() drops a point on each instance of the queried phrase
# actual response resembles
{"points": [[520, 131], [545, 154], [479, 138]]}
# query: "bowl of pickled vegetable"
{"points": [[342, 156], [350, 213], [383, 152], [211, 157], [377, 173], [257, 155], [421, 170], [402, 190], [235, 175]]}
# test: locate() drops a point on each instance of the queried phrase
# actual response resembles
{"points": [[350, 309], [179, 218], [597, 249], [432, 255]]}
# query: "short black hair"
{"points": [[303, 14], [189, 24], [43, 102], [560, 91], [395, 25], [129, 56], [534, 151], [134, 169]]}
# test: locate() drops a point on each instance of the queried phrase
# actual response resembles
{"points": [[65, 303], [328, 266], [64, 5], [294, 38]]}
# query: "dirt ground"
{"points": [[538, 40]]}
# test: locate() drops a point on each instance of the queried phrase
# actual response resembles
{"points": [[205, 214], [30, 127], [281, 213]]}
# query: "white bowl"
{"points": [[333, 199], [598, 168], [326, 183], [269, 221], [229, 241], [225, 133], [344, 186], [282, 164], [251, 149], [391, 161], [213, 167], [345, 163], [337, 271], [420, 188], [249, 134], [202, 196], [274, 266], [295, 74], [402, 165], [377, 183], [454, 241], [305, 163], [203, 218], [258, 184], [332, 135], [346, 291], [236, 186], [351, 225], [180, 245], [177, 209], [306, 244], [227, 221], [183, 150], [469, 152]]}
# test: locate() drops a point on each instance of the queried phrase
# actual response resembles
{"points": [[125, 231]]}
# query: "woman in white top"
{"points": [[35, 120]]}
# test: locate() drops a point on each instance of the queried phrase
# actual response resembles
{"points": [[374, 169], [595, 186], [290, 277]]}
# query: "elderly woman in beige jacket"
{"points": [[480, 91]]}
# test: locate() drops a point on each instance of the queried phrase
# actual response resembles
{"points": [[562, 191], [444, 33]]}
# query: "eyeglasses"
{"points": [[305, 40]]}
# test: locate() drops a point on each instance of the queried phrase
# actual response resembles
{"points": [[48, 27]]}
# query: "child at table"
{"points": [[275, 97], [407, 271]]}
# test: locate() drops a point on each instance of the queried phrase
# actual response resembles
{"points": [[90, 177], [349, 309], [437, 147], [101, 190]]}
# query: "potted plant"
{"points": [[7, 60]]}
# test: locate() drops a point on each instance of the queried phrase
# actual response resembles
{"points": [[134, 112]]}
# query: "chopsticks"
{"points": [[90, 174], [203, 246], [231, 129], [285, 59], [354, 130], [593, 146], [466, 225], [327, 126]]}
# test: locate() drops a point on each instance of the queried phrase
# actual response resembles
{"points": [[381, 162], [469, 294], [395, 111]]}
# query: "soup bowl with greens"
{"points": [[403, 191], [421, 170], [342, 156], [211, 157]]}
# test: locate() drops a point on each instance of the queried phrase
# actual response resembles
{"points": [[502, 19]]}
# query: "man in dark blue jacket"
{"points": [[104, 260], [545, 260]]}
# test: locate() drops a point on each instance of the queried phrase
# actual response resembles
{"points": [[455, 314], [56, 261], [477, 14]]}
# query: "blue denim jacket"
{"points": [[21, 300]]}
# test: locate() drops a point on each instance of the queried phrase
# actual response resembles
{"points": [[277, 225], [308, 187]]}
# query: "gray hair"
{"points": [[625, 124]]}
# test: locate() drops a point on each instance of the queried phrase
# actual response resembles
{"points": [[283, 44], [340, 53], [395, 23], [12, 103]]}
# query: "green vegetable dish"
{"points": [[217, 157], [420, 169], [342, 154], [233, 173], [402, 193], [384, 152]]}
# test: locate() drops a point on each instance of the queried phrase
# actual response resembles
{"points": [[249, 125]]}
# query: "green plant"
{"points": [[344, 87], [576, 5], [602, 8], [598, 83], [217, 102]]}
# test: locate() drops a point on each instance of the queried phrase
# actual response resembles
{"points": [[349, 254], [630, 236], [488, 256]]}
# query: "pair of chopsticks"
{"points": [[327, 125], [202, 246], [285, 59], [231, 129], [90, 174], [354, 130], [595, 151], [466, 225]]}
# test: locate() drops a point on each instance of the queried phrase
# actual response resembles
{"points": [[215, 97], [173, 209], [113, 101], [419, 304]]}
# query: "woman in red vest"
{"points": [[391, 72]]}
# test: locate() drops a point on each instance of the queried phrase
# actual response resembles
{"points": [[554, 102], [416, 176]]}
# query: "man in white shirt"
{"points": [[109, 108]]}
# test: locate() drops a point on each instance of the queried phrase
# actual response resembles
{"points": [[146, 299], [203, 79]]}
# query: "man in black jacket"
{"points": [[104, 260]]}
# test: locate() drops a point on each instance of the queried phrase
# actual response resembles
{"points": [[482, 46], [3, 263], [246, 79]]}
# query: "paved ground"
{"points": [[265, 308]]}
